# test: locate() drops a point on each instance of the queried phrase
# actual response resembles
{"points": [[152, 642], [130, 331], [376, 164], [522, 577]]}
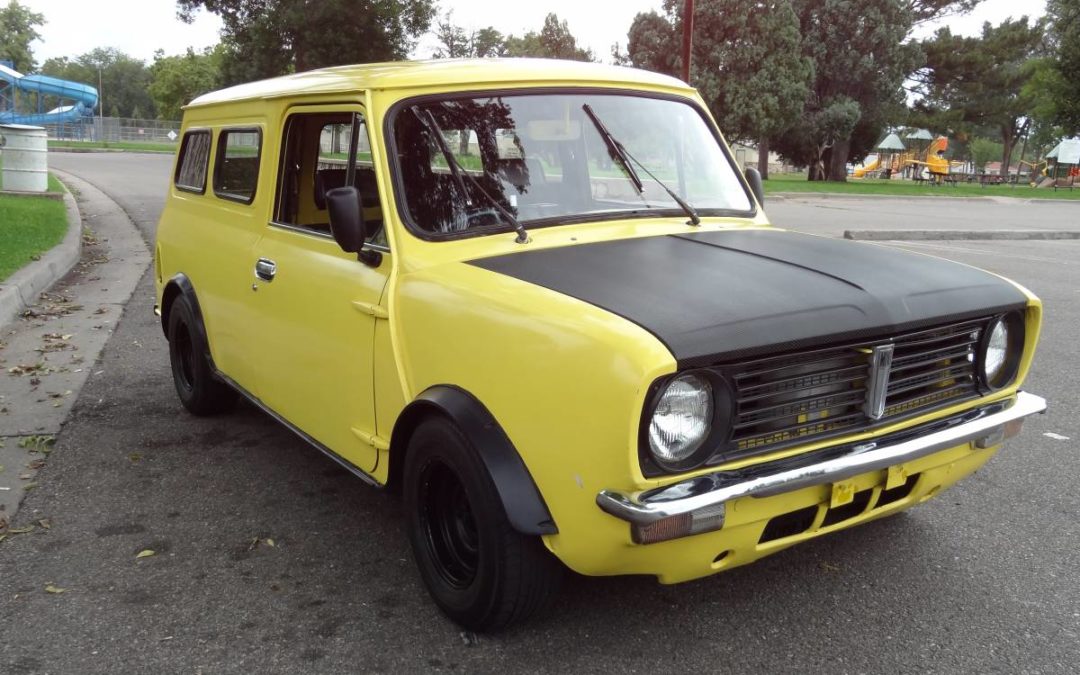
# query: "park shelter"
{"points": [[1066, 156]]}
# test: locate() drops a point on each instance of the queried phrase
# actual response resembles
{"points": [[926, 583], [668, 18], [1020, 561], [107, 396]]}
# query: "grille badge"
{"points": [[878, 383]]}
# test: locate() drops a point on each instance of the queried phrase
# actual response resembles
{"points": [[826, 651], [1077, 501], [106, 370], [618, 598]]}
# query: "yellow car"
{"points": [[539, 299]]}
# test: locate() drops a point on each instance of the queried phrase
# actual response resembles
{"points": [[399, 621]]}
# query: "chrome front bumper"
{"points": [[706, 495]]}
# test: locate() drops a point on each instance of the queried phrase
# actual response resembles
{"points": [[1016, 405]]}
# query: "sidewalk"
{"points": [[48, 353]]}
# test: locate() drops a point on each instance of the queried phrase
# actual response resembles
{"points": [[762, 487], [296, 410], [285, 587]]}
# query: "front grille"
{"points": [[800, 397]]}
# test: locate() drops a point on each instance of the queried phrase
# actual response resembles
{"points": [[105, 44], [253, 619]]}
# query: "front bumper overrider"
{"points": [[699, 504]]}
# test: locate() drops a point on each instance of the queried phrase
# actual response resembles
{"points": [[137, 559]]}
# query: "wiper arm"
{"points": [[620, 151], [615, 148], [457, 171]]}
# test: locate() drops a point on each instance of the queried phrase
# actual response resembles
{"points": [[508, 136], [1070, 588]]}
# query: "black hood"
{"points": [[717, 296]]}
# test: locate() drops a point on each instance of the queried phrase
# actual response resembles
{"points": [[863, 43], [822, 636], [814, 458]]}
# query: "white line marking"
{"points": [[1012, 256], [1056, 437]]}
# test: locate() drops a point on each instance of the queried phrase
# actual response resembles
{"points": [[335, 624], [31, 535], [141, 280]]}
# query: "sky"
{"points": [[74, 27]]}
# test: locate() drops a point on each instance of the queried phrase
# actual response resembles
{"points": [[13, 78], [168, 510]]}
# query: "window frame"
{"points": [[398, 185], [182, 153], [219, 158], [315, 109]]}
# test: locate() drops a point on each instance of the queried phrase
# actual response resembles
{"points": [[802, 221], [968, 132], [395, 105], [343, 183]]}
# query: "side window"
{"points": [[194, 158], [236, 168], [315, 158]]}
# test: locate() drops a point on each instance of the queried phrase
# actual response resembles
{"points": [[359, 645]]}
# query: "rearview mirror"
{"points": [[346, 218], [756, 186]]}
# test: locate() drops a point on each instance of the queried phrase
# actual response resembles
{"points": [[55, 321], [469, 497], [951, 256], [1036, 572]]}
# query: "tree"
{"points": [[266, 38], [747, 62], [455, 42], [18, 28], [125, 80], [983, 150], [982, 81], [176, 80], [1060, 82], [860, 61], [554, 41]]}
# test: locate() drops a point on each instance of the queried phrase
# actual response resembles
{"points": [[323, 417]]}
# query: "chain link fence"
{"points": [[116, 130]]}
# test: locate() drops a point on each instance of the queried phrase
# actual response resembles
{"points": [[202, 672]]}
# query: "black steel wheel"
{"points": [[480, 571], [199, 390]]}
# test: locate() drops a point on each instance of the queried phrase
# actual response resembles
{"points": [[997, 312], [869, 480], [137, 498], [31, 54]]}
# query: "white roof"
{"points": [[1066, 152]]}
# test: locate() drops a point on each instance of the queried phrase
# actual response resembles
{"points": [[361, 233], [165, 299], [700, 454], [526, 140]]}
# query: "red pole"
{"points": [[687, 38]]}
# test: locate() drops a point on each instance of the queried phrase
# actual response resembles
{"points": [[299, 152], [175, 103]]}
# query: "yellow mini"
{"points": [[540, 299]]}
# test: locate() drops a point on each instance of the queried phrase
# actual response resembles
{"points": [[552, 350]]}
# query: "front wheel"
{"points": [[480, 571]]}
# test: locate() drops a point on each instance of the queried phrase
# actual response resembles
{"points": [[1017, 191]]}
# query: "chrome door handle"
{"points": [[265, 269]]}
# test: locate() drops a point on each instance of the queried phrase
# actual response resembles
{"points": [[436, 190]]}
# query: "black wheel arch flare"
{"points": [[180, 285], [521, 499]]}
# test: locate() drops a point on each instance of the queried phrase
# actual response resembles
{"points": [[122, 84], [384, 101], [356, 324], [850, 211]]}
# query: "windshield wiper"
{"points": [[619, 151], [615, 148], [428, 120]]}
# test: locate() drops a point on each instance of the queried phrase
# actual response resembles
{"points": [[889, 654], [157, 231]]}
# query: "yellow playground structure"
{"points": [[894, 160]]}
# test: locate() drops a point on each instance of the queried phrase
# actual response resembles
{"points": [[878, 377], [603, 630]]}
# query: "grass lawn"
{"points": [[796, 182], [29, 226], [117, 145]]}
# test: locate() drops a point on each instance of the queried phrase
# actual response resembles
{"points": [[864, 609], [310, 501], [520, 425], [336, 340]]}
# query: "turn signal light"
{"points": [[683, 525]]}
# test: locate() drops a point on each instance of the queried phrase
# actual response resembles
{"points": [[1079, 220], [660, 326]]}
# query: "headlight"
{"points": [[681, 420], [1002, 346]]}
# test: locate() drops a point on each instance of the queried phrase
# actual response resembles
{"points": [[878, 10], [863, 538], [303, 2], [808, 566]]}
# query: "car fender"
{"points": [[521, 499]]}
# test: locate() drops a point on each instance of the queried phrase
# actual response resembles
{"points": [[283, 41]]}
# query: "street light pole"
{"points": [[687, 38], [101, 107]]}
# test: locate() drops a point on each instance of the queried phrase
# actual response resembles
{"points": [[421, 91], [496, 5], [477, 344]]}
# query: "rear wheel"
{"points": [[199, 390], [480, 571]]}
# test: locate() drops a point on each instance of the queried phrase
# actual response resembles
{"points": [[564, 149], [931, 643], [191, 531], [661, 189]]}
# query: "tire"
{"points": [[199, 390], [481, 572]]}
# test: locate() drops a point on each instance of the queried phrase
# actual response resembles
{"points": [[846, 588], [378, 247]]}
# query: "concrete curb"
{"points": [[783, 196], [58, 196], [22, 288], [942, 235]]}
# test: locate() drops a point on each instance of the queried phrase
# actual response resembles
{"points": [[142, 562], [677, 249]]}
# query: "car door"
{"points": [[315, 306]]}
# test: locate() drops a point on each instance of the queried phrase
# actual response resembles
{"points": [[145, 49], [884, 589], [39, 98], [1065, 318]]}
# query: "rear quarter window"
{"points": [[192, 163], [236, 169]]}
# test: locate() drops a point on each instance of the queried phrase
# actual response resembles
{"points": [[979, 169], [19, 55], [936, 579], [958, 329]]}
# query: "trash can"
{"points": [[24, 153]]}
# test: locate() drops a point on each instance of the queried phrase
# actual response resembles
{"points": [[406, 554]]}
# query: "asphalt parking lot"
{"points": [[986, 578]]}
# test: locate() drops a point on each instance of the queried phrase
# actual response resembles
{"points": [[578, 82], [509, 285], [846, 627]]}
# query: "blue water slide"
{"points": [[77, 100]]}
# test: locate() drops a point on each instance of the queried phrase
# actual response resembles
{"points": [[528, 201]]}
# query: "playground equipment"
{"points": [[894, 158], [933, 162], [76, 101], [891, 146]]}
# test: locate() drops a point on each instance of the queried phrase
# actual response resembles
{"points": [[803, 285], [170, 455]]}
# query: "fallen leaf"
{"points": [[135, 456], [29, 486], [36, 464], [269, 542], [49, 588], [21, 530], [45, 523], [145, 553], [25, 476]]}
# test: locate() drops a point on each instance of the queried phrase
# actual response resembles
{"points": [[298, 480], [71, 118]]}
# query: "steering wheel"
{"points": [[483, 218]]}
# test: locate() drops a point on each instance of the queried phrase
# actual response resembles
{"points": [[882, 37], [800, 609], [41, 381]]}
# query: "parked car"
{"points": [[540, 299]]}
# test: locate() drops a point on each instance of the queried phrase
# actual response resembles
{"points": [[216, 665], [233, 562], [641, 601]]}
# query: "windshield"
{"points": [[540, 158]]}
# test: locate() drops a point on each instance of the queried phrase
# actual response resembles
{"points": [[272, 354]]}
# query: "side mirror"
{"points": [[756, 186], [346, 218]]}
